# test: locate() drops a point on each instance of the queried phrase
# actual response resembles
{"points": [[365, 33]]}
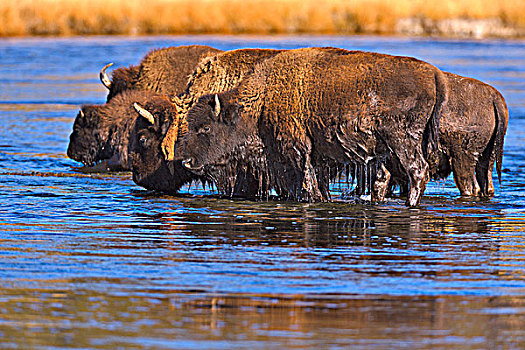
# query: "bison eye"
{"points": [[143, 140], [205, 129]]}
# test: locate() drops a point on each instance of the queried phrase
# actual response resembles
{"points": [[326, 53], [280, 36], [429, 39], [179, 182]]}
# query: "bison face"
{"points": [[150, 169], [219, 142], [88, 141]]}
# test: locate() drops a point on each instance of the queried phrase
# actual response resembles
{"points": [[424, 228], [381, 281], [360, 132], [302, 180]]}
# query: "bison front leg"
{"points": [[310, 187], [381, 184], [415, 166]]}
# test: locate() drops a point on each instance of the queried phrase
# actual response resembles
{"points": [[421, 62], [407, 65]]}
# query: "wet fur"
{"points": [[316, 109], [164, 71], [223, 71], [472, 130]]}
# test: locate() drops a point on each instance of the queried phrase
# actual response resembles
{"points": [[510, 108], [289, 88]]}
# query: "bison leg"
{"points": [[310, 187], [381, 184], [464, 171], [484, 170], [246, 186], [411, 159]]}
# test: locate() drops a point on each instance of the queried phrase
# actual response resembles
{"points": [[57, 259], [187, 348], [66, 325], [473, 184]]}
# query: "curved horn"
{"points": [[104, 76], [217, 105], [144, 113], [81, 113]]}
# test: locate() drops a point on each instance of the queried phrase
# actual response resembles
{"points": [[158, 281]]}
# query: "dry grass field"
{"points": [[136, 17]]}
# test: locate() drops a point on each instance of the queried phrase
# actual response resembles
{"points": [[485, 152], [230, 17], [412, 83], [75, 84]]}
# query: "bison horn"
{"points": [[144, 113], [104, 76], [217, 105], [81, 114]]}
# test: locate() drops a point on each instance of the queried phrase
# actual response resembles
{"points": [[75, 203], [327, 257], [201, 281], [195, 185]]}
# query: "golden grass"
{"points": [[85, 17]]}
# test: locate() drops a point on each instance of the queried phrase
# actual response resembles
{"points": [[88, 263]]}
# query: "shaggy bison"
{"points": [[102, 132], [306, 111], [150, 170], [151, 160], [215, 74], [472, 130], [163, 71]]}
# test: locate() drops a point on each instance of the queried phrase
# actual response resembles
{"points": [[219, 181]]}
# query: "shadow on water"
{"points": [[90, 260]]}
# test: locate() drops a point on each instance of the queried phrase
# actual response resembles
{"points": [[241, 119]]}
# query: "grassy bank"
{"points": [[135, 17]]}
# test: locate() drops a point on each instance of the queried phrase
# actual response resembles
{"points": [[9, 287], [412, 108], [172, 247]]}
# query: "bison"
{"points": [[149, 168], [152, 160], [307, 111], [102, 132], [472, 130], [215, 74], [163, 71]]}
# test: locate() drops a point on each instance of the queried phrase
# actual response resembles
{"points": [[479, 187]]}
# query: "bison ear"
{"points": [[144, 113]]}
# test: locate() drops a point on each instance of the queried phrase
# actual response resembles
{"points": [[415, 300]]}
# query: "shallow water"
{"points": [[93, 261]]}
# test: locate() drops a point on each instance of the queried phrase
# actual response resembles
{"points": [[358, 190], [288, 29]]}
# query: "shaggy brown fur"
{"points": [[162, 70], [102, 132], [305, 111], [214, 74], [472, 131], [147, 163]]}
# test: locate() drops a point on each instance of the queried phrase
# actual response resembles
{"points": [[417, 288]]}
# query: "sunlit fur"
{"points": [[215, 74], [320, 109], [161, 70]]}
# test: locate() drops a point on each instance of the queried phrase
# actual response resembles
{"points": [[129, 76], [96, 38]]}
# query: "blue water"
{"points": [[93, 261]]}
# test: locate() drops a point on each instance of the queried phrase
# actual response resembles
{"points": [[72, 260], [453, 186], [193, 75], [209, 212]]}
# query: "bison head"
{"points": [[150, 169], [102, 132], [88, 141], [220, 143]]}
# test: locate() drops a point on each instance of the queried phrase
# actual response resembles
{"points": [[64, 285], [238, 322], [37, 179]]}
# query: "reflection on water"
{"points": [[90, 260], [186, 320]]}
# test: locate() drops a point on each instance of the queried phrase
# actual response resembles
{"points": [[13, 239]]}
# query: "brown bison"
{"points": [[150, 170], [472, 130], [306, 111], [163, 71], [102, 132], [215, 74], [152, 160]]}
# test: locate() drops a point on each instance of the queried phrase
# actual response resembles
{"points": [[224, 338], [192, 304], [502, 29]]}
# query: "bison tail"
{"points": [[502, 120], [431, 136]]}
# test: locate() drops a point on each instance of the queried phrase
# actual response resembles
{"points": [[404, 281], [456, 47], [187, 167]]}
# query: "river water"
{"points": [[92, 261]]}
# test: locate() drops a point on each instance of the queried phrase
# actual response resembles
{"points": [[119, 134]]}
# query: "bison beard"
{"points": [[315, 111]]}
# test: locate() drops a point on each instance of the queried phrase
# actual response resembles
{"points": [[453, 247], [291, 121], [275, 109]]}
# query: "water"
{"points": [[92, 261]]}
